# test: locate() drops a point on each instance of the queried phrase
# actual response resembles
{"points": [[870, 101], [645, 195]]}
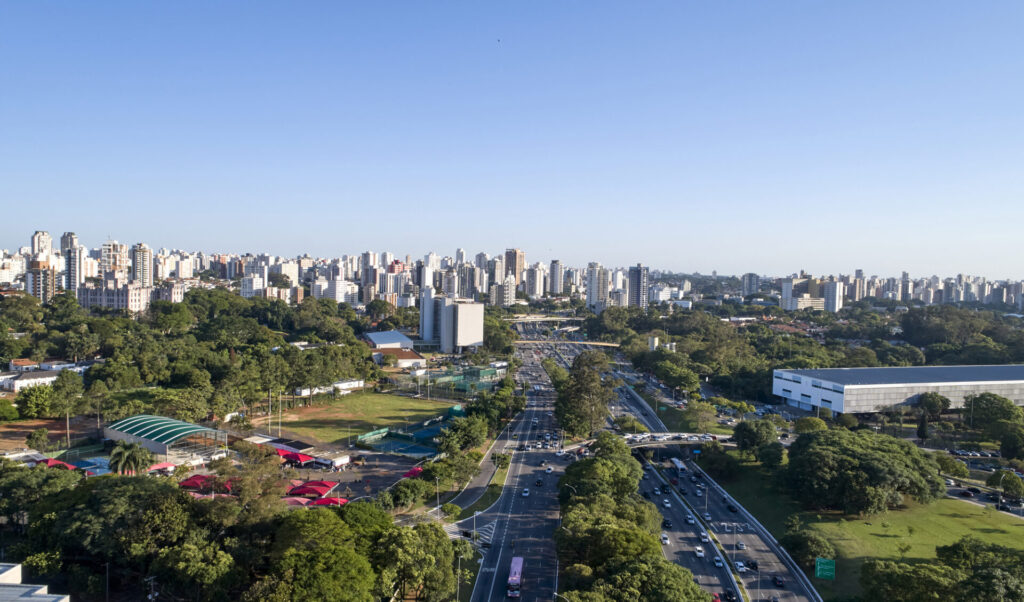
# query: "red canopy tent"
{"points": [[317, 490], [297, 501], [51, 463], [329, 501], [414, 471], [297, 457], [281, 452], [197, 481]]}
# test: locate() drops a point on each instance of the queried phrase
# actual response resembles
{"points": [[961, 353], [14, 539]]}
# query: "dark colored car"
{"points": [[682, 491], [666, 524], [539, 482], [733, 508], [729, 596], [752, 565], [974, 490], [778, 581], [1002, 507], [966, 493], [646, 495]]}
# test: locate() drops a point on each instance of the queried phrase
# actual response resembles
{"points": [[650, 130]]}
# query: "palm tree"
{"points": [[130, 458]]}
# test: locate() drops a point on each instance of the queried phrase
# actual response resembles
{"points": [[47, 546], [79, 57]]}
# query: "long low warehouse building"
{"points": [[861, 390]]}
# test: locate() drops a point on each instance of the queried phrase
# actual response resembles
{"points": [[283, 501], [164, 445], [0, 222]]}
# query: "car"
{"points": [[707, 516], [646, 475], [752, 565], [666, 503], [741, 545], [683, 491], [704, 537], [718, 561], [664, 539], [974, 490], [729, 596], [666, 524], [1003, 507], [733, 508], [656, 491], [698, 492], [539, 482], [526, 493], [950, 483], [549, 469], [699, 551], [778, 581], [740, 567], [690, 520], [646, 495], [966, 493]]}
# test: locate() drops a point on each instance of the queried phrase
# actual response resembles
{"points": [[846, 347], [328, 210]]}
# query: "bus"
{"points": [[515, 576], [679, 466]]}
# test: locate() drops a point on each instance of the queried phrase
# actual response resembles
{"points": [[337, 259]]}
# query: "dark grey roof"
{"points": [[915, 374]]}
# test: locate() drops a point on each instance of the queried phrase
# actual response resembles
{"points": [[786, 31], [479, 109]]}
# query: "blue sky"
{"points": [[695, 136]]}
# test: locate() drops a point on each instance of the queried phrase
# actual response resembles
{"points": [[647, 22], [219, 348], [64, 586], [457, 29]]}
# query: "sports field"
{"points": [[334, 421]]}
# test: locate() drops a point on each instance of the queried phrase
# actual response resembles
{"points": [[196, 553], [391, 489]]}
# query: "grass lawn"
{"points": [[675, 419], [357, 413], [490, 496], [473, 566], [878, 536]]}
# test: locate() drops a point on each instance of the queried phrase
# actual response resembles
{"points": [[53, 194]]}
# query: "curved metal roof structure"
{"points": [[157, 428]]}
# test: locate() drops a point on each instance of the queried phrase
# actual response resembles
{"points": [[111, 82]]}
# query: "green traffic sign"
{"points": [[662, 408], [824, 568]]}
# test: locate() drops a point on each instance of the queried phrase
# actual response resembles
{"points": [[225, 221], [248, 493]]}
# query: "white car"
{"points": [[526, 493], [718, 561], [741, 545], [699, 551], [740, 567], [560, 452], [698, 493], [704, 537], [690, 520], [666, 503], [707, 516], [549, 470], [664, 539]]}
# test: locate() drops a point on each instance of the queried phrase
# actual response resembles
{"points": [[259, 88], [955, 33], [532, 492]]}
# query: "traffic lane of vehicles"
{"points": [[758, 550], [685, 538]]}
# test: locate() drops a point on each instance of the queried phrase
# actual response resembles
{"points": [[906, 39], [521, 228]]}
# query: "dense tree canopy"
{"points": [[860, 471]]}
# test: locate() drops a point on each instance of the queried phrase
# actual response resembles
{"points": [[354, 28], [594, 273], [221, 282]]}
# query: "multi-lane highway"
{"points": [[518, 525], [727, 520]]}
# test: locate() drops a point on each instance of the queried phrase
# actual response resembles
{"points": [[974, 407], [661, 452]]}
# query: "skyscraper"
{"points": [[42, 243], [834, 291], [638, 286], [556, 276], [751, 284], [41, 280], [142, 264], [68, 241], [515, 263], [114, 258], [597, 287]]}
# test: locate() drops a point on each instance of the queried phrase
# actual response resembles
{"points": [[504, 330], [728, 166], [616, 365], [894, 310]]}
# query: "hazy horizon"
{"points": [[688, 137]]}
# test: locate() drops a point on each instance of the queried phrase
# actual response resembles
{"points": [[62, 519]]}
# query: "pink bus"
{"points": [[515, 576]]}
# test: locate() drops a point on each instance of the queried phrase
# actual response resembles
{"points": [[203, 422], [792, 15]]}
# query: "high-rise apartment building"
{"points": [[597, 287], [751, 283], [515, 263], [41, 281], [142, 264], [556, 277], [68, 241], [833, 290], [42, 243], [114, 258], [638, 286]]}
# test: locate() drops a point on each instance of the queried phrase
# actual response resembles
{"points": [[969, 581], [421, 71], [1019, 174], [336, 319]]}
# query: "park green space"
{"points": [[334, 420], [922, 527], [676, 421]]}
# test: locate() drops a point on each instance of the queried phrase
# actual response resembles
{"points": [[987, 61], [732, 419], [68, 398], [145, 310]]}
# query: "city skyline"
{"points": [[688, 137]]}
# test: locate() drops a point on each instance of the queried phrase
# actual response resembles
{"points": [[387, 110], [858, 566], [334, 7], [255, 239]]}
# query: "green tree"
{"points": [[7, 410], [502, 461], [809, 424], [130, 458], [886, 580], [1011, 484], [700, 415], [313, 551], [1011, 443], [582, 405], [933, 404], [38, 439], [66, 398], [35, 402], [771, 454], [950, 465], [922, 427], [985, 410], [750, 435], [804, 546], [847, 420]]}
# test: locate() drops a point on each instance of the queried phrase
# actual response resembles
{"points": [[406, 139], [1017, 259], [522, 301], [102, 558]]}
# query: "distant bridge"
{"points": [[540, 318], [589, 343]]}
